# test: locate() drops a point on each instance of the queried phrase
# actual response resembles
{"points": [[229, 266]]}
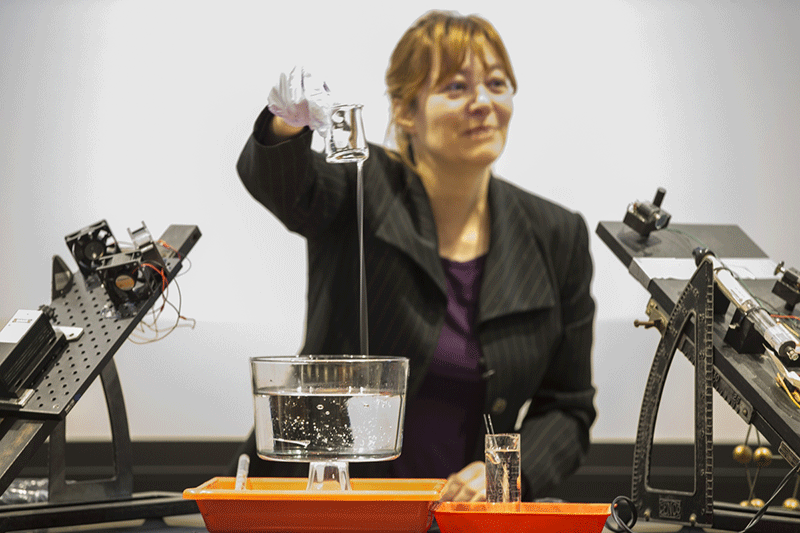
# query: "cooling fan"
{"points": [[90, 245], [128, 280]]}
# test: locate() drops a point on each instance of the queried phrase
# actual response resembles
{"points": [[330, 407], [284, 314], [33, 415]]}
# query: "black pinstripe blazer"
{"points": [[535, 311]]}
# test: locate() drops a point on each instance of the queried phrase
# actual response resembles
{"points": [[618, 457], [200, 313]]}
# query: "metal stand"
{"points": [[693, 318], [120, 485], [24, 428], [689, 508]]}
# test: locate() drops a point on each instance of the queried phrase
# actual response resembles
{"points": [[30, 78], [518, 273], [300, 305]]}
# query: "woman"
{"points": [[483, 286]]}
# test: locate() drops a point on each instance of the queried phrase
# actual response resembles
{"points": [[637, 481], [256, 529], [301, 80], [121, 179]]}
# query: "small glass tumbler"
{"points": [[503, 481], [345, 141]]}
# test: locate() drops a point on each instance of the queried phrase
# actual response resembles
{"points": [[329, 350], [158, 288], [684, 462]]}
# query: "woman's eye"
{"points": [[455, 87], [498, 84]]}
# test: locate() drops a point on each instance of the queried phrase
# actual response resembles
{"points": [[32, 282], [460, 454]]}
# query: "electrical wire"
{"points": [[686, 234], [158, 334], [785, 388], [782, 319], [184, 259], [792, 317], [615, 522], [763, 509]]}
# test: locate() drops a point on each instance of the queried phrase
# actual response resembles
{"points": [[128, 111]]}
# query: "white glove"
{"points": [[301, 100]]}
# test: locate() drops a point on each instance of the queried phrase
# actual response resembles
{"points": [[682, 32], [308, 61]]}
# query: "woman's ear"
{"points": [[403, 116]]}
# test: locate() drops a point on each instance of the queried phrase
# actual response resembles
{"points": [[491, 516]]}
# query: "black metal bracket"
{"points": [[788, 287], [24, 428], [120, 485], [692, 316]]}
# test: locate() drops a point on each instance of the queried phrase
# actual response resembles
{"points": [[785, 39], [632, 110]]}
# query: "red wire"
{"points": [[168, 247], [160, 273]]}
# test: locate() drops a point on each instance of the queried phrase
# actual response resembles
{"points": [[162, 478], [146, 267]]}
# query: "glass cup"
{"points": [[503, 481], [345, 141]]}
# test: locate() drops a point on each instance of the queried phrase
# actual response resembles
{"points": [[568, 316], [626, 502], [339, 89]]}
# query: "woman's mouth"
{"points": [[479, 132]]}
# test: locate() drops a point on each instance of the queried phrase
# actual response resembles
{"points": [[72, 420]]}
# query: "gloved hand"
{"points": [[301, 100]]}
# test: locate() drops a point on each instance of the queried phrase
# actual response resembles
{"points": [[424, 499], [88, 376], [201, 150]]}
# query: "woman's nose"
{"points": [[481, 96]]}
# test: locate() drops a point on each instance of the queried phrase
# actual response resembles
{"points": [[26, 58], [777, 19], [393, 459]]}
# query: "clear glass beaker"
{"points": [[345, 141], [329, 410]]}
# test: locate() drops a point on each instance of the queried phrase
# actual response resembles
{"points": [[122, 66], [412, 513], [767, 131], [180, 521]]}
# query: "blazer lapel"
{"points": [[516, 277], [406, 222]]}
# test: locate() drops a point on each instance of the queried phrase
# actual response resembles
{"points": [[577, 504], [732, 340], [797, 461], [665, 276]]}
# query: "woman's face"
{"points": [[463, 121]]}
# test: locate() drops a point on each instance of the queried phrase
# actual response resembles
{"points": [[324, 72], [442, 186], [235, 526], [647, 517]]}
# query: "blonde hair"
{"points": [[445, 35]]}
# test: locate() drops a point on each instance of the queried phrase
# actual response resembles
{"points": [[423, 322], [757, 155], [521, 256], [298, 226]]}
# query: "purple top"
{"points": [[444, 418]]}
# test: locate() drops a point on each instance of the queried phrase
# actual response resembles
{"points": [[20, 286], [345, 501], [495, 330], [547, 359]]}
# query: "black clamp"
{"points": [[646, 217]]}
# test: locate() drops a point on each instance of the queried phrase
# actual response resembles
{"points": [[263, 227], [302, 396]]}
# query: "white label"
{"points": [[19, 324]]}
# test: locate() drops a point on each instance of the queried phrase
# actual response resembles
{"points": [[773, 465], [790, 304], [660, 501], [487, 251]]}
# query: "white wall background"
{"points": [[135, 110]]}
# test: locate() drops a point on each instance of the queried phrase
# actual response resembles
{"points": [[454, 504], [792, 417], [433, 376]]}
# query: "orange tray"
{"points": [[479, 517], [283, 505]]}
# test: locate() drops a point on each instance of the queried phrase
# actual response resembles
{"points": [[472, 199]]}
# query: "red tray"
{"points": [[480, 517], [283, 505]]}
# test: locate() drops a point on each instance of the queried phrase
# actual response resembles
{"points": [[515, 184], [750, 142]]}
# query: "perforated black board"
{"points": [[24, 429], [74, 371]]}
